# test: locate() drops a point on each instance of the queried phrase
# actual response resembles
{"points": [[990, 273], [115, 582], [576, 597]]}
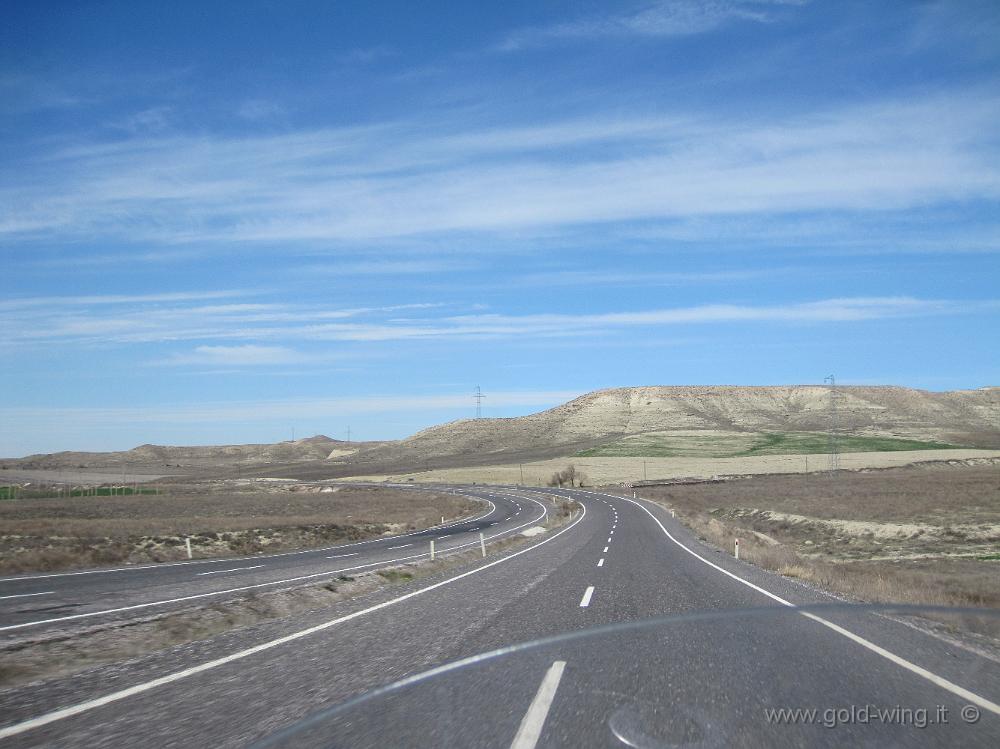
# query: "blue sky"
{"points": [[220, 222]]}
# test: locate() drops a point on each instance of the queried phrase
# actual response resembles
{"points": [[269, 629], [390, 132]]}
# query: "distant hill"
{"points": [[690, 420], [967, 418], [319, 447]]}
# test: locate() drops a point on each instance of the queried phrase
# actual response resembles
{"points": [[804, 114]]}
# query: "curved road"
{"points": [[29, 602], [739, 646]]}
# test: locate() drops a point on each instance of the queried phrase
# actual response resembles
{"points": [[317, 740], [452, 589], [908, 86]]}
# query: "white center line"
{"points": [[533, 721], [888, 655], [234, 569], [338, 556], [82, 707], [401, 546], [26, 595], [600, 563], [585, 601]]}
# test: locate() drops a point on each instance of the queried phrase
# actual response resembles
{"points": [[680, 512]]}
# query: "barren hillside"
{"points": [[966, 418], [625, 422]]}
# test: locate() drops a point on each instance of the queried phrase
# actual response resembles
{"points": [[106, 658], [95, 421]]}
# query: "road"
{"points": [[735, 644], [30, 603]]}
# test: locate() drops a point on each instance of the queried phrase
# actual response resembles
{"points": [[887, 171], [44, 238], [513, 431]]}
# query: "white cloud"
{"points": [[260, 109], [260, 324], [662, 19], [430, 178], [238, 356], [150, 120], [102, 299]]}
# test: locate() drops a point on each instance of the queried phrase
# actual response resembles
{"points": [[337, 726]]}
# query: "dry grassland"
{"points": [[613, 470], [927, 534], [53, 654], [46, 534]]}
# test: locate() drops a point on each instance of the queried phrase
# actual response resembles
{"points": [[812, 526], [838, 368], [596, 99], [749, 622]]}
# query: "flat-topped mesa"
{"points": [[962, 417], [968, 417]]}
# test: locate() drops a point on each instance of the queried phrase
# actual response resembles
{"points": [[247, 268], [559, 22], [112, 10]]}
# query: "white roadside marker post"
{"points": [[482, 543], [187, 543], [432, 549], [737, 548], [442, 520]]}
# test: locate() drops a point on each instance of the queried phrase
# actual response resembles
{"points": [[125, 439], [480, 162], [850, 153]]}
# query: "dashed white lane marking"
{"points": [[82, 707], [878, 650], [609, 540], [234, 569], [401, 546], [600, 563], [605, 549], [28, 595], [585, 601], [533, 721], [338, 556], [612, 531]]}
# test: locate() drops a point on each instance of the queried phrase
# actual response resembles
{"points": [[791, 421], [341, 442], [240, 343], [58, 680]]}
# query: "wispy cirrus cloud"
{"points": [[405, 179], [85, 300], [673, 18], [249, 355], [267, 328], [562, 277], [260, 109], [121, 320]]}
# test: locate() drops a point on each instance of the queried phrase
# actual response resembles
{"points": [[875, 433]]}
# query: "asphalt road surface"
{"points": [[29, 603], [697, 649]]}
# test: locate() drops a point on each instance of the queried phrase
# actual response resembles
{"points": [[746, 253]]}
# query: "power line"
{"points": [[834, 454], [479, 402]]}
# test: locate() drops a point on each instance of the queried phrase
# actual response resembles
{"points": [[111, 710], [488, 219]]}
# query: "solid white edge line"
{"points": [[195, 596], [940, 681], [587, 594], [82, 707], [530, 729], [230, 560]]}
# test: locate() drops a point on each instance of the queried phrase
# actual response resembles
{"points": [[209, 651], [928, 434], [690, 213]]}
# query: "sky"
{"points": [[243, 222]]}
